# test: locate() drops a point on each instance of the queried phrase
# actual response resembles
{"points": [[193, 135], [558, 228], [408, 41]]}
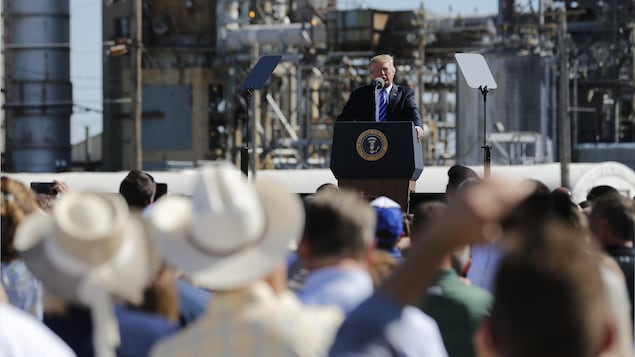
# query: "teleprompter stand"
{"points": [[255, 80], [478, 75]]}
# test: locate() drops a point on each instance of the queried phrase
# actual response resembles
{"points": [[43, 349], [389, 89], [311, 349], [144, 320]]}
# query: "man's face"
{"points": [[383, 69]]}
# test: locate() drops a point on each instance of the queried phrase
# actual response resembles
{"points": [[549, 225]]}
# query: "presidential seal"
{"points": [[371, 145]]}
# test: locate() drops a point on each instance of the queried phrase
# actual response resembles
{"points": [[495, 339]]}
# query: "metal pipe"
{"points": [[138, 84], [564, 124]]}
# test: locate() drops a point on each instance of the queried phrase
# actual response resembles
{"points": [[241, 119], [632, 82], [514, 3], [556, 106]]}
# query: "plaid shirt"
{"points": [[255, 322]]}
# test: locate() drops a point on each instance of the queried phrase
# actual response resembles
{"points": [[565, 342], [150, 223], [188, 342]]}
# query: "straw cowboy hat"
{"points": [[230, 233], [91, 251], [91, 241]]}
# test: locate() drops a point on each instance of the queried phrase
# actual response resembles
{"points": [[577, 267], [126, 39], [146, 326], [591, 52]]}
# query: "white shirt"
{"points": [[22, 335], [338, 286]]}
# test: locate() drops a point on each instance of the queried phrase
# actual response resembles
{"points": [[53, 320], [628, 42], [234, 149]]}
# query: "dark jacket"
{"points": [[401, 105]]}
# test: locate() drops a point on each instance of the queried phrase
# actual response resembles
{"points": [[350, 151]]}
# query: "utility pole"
{"points": [[138, 83], [564, 123]]}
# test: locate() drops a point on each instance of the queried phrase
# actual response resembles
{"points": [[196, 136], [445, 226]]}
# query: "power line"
{"points": [[84, 109]]}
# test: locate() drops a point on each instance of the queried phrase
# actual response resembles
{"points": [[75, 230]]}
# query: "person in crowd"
{"points": [[541, 188], [232, 237], [456, 175], [617, 308], [564, 190], [567, 319], [541, 204], [162, 297], [476, 260], [138, 188], [549, 298], [380, 265], [46, 200], [389, 228], [297, 272], [90, 254], [335, 247], [23, 289], [483, 257], [328, 186], [377, 326], [457, 307], [612, 221], [383, 100], [594, 193], [21, 334]]}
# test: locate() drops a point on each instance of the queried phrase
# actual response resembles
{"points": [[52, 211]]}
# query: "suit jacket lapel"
{"points": [[393, 99]]}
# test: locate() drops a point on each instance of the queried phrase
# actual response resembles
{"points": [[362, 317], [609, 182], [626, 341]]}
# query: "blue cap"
{"points": [[389, 219]]}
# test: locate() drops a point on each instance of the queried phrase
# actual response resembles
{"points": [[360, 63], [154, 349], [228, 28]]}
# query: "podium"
{"points": [[377, 159]]}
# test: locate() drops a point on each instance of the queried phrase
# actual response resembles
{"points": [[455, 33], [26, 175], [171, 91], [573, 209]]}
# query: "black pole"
{"points": [[244, 151], [488, 154]]}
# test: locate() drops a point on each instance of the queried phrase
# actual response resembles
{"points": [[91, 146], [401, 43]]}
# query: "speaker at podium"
{"points": [[377, 159]]}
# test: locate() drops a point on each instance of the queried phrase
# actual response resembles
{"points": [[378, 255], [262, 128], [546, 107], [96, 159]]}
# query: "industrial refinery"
{"points": [[172, 72]]}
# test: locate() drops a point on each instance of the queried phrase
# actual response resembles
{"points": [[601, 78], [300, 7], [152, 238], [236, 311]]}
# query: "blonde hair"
{"points": [[383, 58], [18, 201]]}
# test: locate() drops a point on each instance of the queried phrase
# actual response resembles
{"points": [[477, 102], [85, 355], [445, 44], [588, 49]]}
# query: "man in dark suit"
{"points": [[365, 103]]}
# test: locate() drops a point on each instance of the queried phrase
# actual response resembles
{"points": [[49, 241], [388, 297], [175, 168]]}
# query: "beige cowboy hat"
{"points": [[90, 240], [230, 232], [90, 251]]}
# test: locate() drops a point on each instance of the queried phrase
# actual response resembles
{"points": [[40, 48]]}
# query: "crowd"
{"points": [[248, 269]]}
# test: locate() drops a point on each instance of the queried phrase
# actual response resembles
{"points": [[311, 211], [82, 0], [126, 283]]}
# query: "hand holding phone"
{"points": [[49, 188], [46, 188]]}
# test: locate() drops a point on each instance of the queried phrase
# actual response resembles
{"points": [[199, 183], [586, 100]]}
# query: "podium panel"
{"points": [[377, 159], [376, 150]]}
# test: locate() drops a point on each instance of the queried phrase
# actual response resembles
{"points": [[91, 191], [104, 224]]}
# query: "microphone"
{"points": [[378, 83]]}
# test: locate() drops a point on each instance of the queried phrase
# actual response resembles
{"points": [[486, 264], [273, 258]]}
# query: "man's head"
{"points": [[424, 214], [338, 224], [138, 189], [383, 66], [539, 207], [457, 174], [549, 298], [596, 192], [612, 219]]}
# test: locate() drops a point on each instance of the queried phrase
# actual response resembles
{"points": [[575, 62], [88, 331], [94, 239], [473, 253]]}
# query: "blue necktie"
{"points": [[383, 106]]}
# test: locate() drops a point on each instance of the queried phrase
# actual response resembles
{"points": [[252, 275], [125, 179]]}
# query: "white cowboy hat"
{"points": [[88, 234], [230, 233], [88, 251]]}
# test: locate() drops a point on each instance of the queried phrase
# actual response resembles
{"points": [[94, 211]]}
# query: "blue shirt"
{"points": [[380, 327], [192, 301], [484, 265], [337, 286], [23, 289], [138, 330]]}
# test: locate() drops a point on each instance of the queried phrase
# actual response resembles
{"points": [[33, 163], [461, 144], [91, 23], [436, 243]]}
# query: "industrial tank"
{"points": [[38, 92]]}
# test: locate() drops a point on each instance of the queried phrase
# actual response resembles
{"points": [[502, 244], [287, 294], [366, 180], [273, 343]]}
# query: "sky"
{"points": [[86, 49]]}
